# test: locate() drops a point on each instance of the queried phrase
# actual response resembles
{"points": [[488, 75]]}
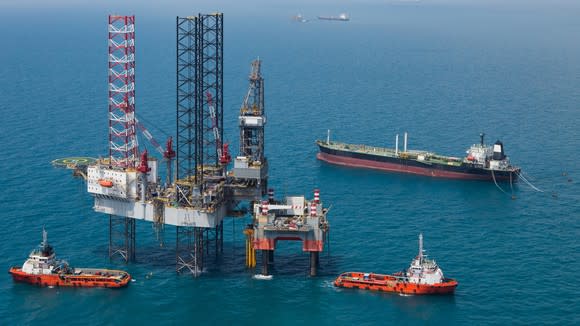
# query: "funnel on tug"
{"points": [[422, 277]]}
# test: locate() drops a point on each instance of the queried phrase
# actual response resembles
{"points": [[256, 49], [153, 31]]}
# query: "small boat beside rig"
{"points": [[423, 277], [482, 162], [43, 269]]}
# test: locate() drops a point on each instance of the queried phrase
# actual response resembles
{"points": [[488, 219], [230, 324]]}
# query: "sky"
{"points": [[166, 6]]}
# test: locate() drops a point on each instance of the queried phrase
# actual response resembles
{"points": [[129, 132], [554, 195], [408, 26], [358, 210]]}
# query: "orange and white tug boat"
{"points": [[423, 277], [43, 269]]}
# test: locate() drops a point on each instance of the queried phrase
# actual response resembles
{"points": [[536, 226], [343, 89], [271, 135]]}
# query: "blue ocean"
{"points": [[443, 71]]}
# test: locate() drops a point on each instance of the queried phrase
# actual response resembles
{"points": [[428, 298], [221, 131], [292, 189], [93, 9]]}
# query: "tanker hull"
{"points": [[401, 164]]}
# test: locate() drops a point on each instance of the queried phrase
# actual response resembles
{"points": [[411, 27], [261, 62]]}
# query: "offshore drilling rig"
{"points": [[126, 185]]}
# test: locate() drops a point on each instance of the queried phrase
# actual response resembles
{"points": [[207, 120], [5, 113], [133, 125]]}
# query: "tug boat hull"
{"points": [[87, 278], [392, 283]]}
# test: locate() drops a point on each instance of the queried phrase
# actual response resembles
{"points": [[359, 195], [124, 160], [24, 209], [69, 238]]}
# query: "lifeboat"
{"points": [[422, 277], [43, 269], [106, 183]]}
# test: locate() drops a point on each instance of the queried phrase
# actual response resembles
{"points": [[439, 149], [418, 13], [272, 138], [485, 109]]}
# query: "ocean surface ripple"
{"points": [[444, 73]]}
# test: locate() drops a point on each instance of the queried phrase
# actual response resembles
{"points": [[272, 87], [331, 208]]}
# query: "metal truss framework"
{"points": [[122, 139], [215, 235], [252, 136], [193, 244], [199, 77], [186, 98], [189, 249], [210, 74], [122, 238]]}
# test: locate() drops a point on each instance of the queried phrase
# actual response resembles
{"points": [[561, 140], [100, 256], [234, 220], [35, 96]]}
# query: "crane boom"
{"points": [[216, 133], [149, 137]]}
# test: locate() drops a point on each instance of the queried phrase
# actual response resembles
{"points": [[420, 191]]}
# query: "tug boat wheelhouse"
{"points": [[423, 277], [43, 269]]}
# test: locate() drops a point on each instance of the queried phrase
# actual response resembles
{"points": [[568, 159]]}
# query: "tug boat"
{"points": [[43, 269], [423, 277]]}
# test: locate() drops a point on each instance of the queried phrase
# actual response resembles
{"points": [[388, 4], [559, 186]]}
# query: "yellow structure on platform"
{"points": [[250, 251]]}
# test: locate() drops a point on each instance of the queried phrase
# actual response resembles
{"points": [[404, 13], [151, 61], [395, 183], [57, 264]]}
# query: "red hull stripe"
{"points": [[270, 243]]}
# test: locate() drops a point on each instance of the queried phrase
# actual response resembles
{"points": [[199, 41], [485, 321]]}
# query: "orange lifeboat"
{"points": [[105, 183]]}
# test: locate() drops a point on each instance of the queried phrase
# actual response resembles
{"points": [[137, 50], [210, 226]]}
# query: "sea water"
{"points": [[442, 71]]}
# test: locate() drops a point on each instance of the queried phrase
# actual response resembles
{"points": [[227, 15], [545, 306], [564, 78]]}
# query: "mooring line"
{"points": [[529, 183], [494, 181]]}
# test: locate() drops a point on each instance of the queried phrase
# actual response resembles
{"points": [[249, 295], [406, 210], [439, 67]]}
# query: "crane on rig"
{"points": [[149, 136], [168, 153], [222, 150]]}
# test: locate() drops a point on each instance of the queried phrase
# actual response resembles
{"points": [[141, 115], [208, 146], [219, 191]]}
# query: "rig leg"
{"points": [[313, 263], [222, 237], [189, 249], [271, 257], [265, 256], [122, 238], [250, 251]]}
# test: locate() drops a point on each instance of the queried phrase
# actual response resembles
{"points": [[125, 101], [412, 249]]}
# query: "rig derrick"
{"points": [[199, 191]]}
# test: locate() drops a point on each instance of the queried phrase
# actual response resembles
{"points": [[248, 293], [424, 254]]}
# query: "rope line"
{"points": [[529, 183], [494, 181]]}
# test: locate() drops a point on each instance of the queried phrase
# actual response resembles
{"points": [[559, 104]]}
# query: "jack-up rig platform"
{"points": [[202, 192], [295, 219]]}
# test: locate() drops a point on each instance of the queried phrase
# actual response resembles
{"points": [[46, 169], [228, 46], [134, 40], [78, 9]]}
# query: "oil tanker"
{"points": [[42, 268], [481, 162]]}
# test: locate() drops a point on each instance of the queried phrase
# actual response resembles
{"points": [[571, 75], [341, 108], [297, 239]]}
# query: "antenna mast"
{"points": [[420, 248]]}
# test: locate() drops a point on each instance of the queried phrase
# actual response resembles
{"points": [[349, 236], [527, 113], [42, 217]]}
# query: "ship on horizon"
{"points": [[341, 17], [482, 162], [299, 18]]}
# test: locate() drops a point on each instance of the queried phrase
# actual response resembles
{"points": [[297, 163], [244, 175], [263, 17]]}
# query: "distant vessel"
{"points": [[481, 162], [423, 277], [43, 269], [299, 18], [341, 17]]}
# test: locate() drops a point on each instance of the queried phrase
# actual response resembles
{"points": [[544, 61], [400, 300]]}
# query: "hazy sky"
{"points": [[277, 9], [173, 5]]}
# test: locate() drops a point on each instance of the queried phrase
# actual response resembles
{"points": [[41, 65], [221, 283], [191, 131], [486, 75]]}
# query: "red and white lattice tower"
{"points": [[123, 149]]}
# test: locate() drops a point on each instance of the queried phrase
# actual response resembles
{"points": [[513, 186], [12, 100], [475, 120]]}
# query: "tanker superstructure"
{"points": [[481, 162]]}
